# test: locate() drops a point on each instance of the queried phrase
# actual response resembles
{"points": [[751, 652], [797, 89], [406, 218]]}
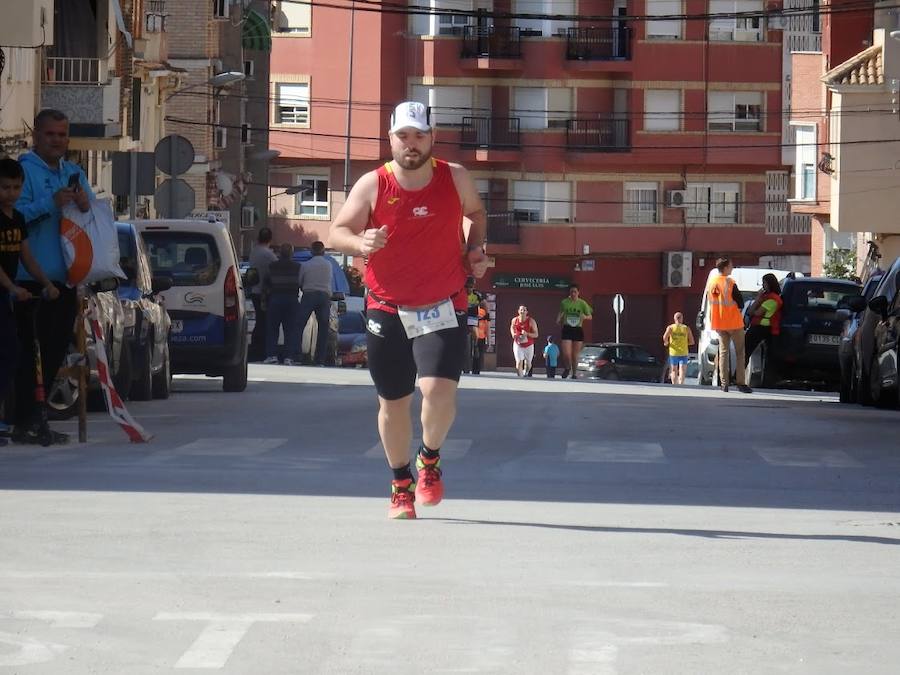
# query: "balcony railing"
{"points": [[596, 43], [75, 70], [598, 134], [497, 42], [490, 132], [502, 228], [156, 6]]}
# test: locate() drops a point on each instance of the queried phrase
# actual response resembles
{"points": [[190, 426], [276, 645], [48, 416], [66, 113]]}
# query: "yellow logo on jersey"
{"points": [[393, 200]]}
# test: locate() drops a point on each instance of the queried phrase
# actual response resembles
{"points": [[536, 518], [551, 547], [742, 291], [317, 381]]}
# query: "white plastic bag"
{"points": [[90, 243]]}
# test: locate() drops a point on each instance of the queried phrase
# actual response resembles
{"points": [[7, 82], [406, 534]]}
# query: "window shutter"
{"points": [[664, 28], [662, 108], [721, 110], [558, 204], [559, 107]]}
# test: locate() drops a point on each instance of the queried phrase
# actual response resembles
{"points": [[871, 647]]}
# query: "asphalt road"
{"points": [[588, 529]]}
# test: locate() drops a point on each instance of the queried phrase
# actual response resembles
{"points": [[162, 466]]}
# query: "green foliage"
{"points": [[840, 263]]}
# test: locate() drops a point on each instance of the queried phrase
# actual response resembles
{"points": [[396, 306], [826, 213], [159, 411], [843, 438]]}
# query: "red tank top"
{"points": [[422, 262], [523, 327]]}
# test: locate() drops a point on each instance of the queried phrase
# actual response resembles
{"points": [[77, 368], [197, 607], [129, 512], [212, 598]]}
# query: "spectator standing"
{"points": [[765, 316], [678, 338], [523, 330], [484, 322], [50, 184], [261, 256], [283, 284], [725, 302], [572, 313], [551, 356], [317, 282]]}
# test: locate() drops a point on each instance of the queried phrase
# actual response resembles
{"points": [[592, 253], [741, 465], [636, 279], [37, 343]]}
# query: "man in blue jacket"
{"points": [[50, 184]]}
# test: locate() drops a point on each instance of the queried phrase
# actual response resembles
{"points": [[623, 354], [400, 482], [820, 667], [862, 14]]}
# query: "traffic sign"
{"points": [[174, 154], [174, 198], [618, 304]]}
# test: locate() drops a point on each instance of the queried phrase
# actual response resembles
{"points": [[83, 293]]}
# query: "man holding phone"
{"points": [[51, 183]]}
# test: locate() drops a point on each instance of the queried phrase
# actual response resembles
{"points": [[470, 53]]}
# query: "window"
{"points": [[540, 108], [222, 9], [542, 202], [712, 203], [447, 24], [190, 259], [293, 104], [640, 203], [737, 28], [662, 110], [541, 26], [249, 68], [448, 104], [805, 162], [735, 111], [312, 200], [246, 134], [664, 28], [292, 17]]}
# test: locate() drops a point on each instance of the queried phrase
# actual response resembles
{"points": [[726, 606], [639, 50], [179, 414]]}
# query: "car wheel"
{"points": [[613, 376], [875, 390], [863, 388], [846, 391], [122, 378], [162, 381], [62, 399], [235, 378], [142, 387]]}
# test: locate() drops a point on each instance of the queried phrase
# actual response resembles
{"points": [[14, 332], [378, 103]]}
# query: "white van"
{"points": [[749, 281], [206, 302]]}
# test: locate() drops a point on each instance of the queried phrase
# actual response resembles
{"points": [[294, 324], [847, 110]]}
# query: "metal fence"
{"points": [[75, 70], [598, 43], [604, 134], [491, 132], [498, 42]]}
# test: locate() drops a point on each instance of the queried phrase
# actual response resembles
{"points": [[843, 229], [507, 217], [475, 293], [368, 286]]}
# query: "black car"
{"points": [[807, 349], [849, 336], [864, 340], [351, 347], [618, 361], [151, 372], [884, 379]]}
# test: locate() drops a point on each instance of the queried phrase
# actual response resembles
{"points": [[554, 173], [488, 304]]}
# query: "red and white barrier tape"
{"points": [[114, 402]]}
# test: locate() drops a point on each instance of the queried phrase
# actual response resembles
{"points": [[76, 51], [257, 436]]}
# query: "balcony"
{"points": [[603, 134], [492, 47], [490, 132], [502, 228], [598, 43], [83, 89]]}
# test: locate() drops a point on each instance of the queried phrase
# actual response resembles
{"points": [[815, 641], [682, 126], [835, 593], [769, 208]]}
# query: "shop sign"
{"points": [[532, 281]]}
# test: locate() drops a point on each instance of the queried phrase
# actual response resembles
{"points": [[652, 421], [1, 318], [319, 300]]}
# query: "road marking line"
{"points": [[614, 451], [218, 447], [30, 651], [58, 619], [221, 635], [453, 448], [797, 457]]}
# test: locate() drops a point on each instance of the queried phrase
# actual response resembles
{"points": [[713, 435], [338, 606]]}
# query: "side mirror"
{"points": [[160, 284], [879, 305], [251, 277], [843, 314], [856, 303]]}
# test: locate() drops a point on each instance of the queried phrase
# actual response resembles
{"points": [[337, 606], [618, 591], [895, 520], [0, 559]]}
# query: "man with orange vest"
{"points": [[725, 303], [484, 320]]}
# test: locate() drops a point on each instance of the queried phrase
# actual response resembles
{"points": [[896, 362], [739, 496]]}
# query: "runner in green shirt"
{"points": [[572, 313]]}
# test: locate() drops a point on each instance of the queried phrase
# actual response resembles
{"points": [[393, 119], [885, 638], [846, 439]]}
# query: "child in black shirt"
{"points": [[13, 247]]}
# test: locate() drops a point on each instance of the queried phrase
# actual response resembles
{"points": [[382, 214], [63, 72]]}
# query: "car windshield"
{"points": [[820, 296], [189, 258], [351, 322], [127, 255], [590, 352]]}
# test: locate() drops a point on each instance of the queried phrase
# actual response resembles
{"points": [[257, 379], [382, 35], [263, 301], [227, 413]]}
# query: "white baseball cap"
{"points": [[410, 114]]}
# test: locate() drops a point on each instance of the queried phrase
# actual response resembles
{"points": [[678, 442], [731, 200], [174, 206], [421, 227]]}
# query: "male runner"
{"points": [[407, 217]]}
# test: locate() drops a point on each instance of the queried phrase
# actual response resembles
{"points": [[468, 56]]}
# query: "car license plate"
{"points": [[824, 339], [177, 326]]}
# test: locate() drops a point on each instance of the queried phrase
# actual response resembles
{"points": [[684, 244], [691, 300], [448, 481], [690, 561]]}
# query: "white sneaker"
{"points": [[270, 360], [288, 362]]}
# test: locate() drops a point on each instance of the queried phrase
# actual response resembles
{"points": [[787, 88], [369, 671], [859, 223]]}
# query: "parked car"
{"points": [[811, 325], [151, 368], [208, 333], [62, 399], [864, 338], [691, 372], [351, 349], [618, 361], [884, 379], [849, 335]]}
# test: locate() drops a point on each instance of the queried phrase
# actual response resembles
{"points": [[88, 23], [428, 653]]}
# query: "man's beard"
{"points": [[411, 163]]}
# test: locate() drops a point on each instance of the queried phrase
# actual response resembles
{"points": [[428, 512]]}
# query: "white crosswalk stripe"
{"points": [[218, 447], [614, 451], [809, 458], [453, 448]]}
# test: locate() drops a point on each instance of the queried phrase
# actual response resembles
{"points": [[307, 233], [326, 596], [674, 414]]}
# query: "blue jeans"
{"points": [[282, 311], [320, 303]]}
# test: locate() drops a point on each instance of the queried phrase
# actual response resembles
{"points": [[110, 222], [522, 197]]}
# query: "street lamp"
{"points": [[217, 81]]}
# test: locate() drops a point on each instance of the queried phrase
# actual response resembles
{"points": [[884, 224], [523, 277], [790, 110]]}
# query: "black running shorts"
{"points": [[394, 359], [574, 333]]}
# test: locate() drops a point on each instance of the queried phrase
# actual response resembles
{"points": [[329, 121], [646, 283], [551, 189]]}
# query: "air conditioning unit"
{"points": [[778, 22], [677, 266], [676, 199]]}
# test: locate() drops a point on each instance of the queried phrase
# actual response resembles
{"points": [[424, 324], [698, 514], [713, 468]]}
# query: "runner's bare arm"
{"points": [[691, 337], [348, 234], [534, 329], [512, 328], [474, 221], [666, 335]]}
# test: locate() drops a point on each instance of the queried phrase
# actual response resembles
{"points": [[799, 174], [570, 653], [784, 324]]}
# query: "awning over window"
{"points": [[257, 34]]}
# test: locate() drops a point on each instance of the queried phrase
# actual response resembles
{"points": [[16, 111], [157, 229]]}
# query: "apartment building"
{"points": [[613, 150]]}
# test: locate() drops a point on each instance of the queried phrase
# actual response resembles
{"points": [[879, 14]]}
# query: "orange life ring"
{"points": [[77, 251]]}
